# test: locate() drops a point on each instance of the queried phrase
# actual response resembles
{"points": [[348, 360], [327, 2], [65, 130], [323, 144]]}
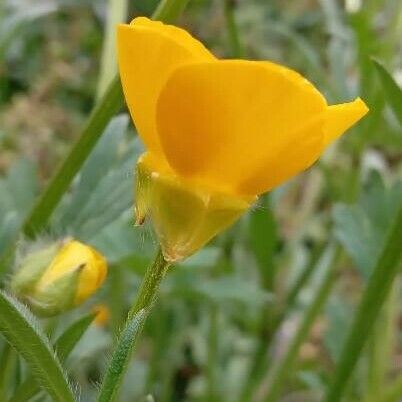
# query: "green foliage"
{"points": [[63, 346], [18, 190], [362, 228], [391, 89], [20, 329], [121, 356], [376, 291]]}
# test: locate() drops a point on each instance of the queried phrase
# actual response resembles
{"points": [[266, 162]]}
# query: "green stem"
{"points": [[127, 340], [116, 13], [377, 289], [169, 10], [236, 48], [150, 284], [381, 345], [283, 367]]}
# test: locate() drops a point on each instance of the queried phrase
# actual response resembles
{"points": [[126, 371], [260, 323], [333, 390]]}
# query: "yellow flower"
{"points": [[59, 277], [216, 129], [102, 314]]}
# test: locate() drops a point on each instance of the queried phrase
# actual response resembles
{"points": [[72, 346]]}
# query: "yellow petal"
{"points": [[92, 276], [340, 117], [72, 256], [299, 153], [148, 51], [227, 123]]}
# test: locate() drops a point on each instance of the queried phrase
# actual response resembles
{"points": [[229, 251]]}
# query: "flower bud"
{"points": [[59, 277], [185, 217], [102, 314]]}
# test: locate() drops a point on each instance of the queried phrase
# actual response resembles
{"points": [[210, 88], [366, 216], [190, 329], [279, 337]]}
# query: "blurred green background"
{"points": [[288, 275]]}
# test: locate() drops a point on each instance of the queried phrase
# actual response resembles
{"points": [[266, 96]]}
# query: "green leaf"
{"points": [[63, 345], [20, 329], [375, 293], [100, 162], [110, 103], [362, 228], [18, 190], [231, 289], [392, 91], [121, 357], [283, 366], [22, 185]]}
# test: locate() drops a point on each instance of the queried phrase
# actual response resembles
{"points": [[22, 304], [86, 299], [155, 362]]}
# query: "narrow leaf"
{"points": [[20, 329], [63, 345], [121, 357], [283, 366], [392, 91], [375, 293]]}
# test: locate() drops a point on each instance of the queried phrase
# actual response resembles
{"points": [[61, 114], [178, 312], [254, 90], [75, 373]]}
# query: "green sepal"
{"points": [[186, 217], [31, 268], [57, 297], [142, 185]]}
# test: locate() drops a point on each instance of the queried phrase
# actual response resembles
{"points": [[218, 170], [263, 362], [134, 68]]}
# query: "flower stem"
{"points": [[236, 48], [116, 13], [150, 284], [168, 10]]}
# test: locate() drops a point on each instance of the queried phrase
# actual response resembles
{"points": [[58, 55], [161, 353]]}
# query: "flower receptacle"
{"points": [[185, 217]]}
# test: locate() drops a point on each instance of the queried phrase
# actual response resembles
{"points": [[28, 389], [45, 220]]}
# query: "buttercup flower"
{"points": [[218, 132], [59, 277]]}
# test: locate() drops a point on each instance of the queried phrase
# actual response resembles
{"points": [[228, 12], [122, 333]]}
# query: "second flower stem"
{"points": [[150, 284]]}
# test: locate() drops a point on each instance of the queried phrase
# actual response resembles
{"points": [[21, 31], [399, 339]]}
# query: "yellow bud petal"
{"points": [[75, 255], [62, 279]]}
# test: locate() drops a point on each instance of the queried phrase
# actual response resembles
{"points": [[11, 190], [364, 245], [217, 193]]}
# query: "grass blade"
{"points": [[63, 345], [284, 366], [392, 91], [19, 327], [377, 289], [169, 10], [121, 357], [116, 13]]}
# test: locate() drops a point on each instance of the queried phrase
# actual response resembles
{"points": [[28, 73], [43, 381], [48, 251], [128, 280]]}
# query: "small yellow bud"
{"points": [[102, 314], [185, 217], [59, 277]]}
